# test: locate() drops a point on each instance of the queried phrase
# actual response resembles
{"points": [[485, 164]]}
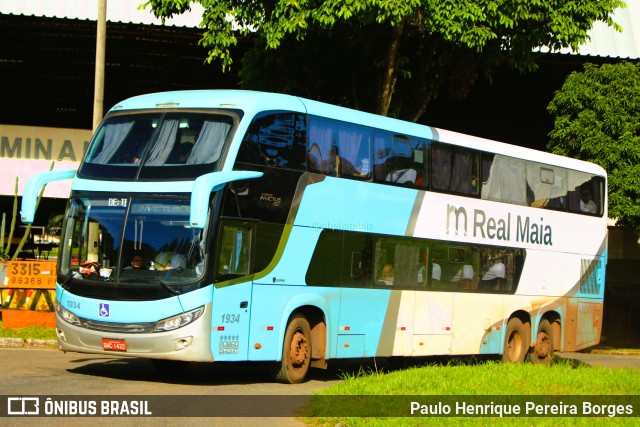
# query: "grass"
{"points": [[33, 332], [353, 401]]}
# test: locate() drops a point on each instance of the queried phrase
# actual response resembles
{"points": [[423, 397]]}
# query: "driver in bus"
{"points": [[137, 263]]}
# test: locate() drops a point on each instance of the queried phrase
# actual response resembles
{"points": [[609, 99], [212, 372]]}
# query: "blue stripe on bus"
{"points": [[132, 311], [131, 186], [247, 101], [344, 204]]}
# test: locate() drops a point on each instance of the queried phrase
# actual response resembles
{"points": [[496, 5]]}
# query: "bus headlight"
{"points": [[67, 316], [178, 321]]}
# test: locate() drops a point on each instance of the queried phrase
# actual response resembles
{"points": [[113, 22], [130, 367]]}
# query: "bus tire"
{"points": [[516, 341], [296, 352], [543, 350]]}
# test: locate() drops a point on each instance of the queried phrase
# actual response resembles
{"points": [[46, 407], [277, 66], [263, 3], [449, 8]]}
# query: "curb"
{"points": [[29, 342]]}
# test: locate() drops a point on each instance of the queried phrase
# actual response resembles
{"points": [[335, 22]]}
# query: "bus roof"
{"points": [[253, 102]]}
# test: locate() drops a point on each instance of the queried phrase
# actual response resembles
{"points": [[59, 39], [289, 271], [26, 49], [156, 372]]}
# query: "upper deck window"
{"points": [[275, 139], [339, 149], [157, 145]]}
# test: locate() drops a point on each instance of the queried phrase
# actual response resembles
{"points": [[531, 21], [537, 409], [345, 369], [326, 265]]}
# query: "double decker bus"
{"points": [[238, 226]]}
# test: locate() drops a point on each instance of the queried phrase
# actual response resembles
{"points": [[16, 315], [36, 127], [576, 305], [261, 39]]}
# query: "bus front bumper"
{"points": [[190, 343]]}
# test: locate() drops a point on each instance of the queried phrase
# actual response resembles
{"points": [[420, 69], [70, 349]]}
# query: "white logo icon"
{"points": [[23, 406]]}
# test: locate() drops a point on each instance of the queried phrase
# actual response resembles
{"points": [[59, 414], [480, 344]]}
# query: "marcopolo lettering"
{"points": [[525, 230]]}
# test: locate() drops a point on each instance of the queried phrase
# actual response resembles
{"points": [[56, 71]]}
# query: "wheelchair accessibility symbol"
{"points": [[104, 309]]}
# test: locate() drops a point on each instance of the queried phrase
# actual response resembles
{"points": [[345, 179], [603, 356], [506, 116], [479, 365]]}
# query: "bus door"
{"points": [[232, 290]]}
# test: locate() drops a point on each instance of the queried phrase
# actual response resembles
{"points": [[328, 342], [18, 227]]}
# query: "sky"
{"points": [[117, 11]]}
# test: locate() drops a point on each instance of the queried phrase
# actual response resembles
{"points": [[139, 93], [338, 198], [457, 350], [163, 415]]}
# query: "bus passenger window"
{"points": [[454, 169], [339, 149], [494, 274], [276, 140], [399, 263], [328, 252], [400, 159], [507, 181], [546, 186], [586, 196], [463, 267]]}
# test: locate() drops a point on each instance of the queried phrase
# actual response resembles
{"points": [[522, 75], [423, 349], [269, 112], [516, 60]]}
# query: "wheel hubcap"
{"points": [[299, 349], [543, 345]]}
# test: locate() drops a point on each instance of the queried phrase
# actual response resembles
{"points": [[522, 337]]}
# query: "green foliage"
{"points": [[33, 332], [441, 44], [516, 24], [5, 251], [597, 119]]}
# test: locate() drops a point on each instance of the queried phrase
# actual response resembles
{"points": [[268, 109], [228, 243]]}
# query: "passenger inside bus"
{"points": [[586, 204], [165, 261], [465, 275], [494, 278], [386, 275], [402, 171]]}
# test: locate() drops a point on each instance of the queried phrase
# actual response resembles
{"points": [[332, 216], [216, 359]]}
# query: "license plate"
{"points": [[114, 344]]}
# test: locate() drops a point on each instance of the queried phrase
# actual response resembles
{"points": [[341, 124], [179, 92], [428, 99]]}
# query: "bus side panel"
{"points": [[583, 325], [432, 325], [542, 274], [371, 314], [336, 203], [292, 266], [473, 327], [405, 326], [274, 304], [230, 319]]}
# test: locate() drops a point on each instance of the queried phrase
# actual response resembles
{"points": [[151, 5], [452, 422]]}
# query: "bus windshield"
{"points": [[131, 240], [155, 145]]}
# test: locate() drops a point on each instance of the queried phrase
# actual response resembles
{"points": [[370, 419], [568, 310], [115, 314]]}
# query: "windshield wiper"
{"points": [[72, 275], [167, 287]]}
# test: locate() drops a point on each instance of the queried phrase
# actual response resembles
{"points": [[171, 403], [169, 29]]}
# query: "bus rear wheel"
{"points": [[296, 352], [516, 342], [543, 351]]}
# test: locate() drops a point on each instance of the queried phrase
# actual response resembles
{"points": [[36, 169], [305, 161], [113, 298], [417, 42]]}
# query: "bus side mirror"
{"points": [[203, 187], [33, 187]]}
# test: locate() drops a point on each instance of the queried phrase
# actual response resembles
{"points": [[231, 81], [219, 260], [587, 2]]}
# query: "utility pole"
{"points": [[101, 41]]}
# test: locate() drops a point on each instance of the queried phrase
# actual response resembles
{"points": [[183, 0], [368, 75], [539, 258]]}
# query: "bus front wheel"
{"points": [[296, 352], [543, 351], [516, 341]]}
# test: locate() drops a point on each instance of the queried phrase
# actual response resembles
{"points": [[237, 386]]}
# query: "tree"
{"points": [[597, 119], [440, 33]]}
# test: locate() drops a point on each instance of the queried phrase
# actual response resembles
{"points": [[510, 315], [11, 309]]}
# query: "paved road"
{"points": [[42, 372], [50, 372], [605, 360]]}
